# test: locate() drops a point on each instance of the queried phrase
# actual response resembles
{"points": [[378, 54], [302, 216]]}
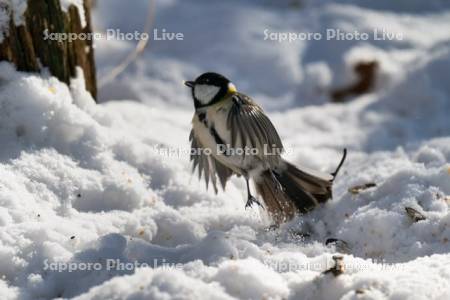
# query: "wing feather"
{"points": [[250, 126], [207, 165]]}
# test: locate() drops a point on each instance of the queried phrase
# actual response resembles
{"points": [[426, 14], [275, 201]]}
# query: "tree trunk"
{"points": [[26, 47]]}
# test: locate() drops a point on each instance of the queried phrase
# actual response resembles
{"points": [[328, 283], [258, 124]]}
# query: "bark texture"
{"points": [[25, 45]]}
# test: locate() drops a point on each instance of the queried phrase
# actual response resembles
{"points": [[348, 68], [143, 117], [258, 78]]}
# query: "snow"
{"points": [[4, 23], [108, 186], [65, 4], [14, 8]]}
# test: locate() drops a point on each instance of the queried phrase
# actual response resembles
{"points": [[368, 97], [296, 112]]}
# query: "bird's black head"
{"points": [[210, 88]]}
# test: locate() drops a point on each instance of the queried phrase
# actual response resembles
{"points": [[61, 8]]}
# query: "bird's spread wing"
{"points": [[208, 165], [250, 127]]}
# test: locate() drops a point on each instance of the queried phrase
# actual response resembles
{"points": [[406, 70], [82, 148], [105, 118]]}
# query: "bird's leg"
{"points": [[250, 198], [278, 186]]}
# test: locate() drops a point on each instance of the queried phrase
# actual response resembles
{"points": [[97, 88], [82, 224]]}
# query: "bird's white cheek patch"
{"points": [[205, 93]]}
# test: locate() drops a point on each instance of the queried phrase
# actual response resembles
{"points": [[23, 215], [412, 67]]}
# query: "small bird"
{"points": [[231, 134]]}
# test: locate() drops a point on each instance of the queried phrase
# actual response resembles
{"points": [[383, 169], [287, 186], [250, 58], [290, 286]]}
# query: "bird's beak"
{"points": [[189, 83]]}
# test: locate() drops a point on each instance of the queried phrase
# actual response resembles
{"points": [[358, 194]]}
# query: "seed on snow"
{"points": [[415, 215]]}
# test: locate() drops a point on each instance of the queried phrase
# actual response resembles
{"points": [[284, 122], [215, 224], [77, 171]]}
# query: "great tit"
{"points": [[231, 134]]}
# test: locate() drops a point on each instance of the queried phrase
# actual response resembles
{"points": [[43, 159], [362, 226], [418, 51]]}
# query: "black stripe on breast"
{"points": [[216, 136], [202, 118], [218, 140]]}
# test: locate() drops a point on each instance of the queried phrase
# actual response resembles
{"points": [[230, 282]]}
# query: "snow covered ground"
{"points": [[106, 189]]}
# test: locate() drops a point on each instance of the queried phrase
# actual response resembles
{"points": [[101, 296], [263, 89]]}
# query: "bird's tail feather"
{"points": [[289, 190], [276, 202]]}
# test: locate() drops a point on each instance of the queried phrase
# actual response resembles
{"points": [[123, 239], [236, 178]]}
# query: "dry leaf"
{"points": [[339, 267], [415, 215], [359, 188]]}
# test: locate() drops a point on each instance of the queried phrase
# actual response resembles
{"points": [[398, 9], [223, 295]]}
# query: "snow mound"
{"points": [[83, 184]]}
